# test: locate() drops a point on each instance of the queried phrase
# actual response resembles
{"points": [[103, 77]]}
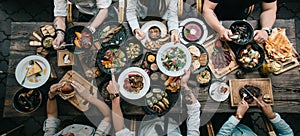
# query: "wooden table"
{"points": [[285, 86]]}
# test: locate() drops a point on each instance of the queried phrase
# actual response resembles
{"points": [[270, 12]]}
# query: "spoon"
{"points": [[31, 62]]}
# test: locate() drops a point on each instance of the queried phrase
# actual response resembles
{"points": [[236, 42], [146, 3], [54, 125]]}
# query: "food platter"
{"points": [[193, 30], [111, 33], [200, 57], [133, 95], [264, 84], [218, 50], [161, 37], [178, 54], [133, 48], [111, 57], [37, 79], [219, 91]]}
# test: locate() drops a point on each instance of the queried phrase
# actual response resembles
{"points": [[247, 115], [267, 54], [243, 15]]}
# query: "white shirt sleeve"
{"points": [[131, 14], [172, 16], [60, 8], [103, 3]]}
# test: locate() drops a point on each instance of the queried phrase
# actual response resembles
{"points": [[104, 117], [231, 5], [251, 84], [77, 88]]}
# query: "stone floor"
{"points": [[36, 10]]}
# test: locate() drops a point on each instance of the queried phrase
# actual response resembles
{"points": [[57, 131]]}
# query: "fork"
{"points": [[31, 62]]}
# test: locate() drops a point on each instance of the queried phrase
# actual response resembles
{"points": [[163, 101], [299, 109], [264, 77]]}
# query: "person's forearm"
{"points": [[98, 20], [117, 115], [212, 20], [268, 15], [52, 108], [188, 95], [102, 107], [59, 23]]}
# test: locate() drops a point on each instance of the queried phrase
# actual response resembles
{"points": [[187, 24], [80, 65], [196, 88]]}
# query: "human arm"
{"points": [[172, 17], [193, 106], [60, 13], [280, 125], [212, 20], [267, 20], [102, 5], [131, 16], [233, 121]]}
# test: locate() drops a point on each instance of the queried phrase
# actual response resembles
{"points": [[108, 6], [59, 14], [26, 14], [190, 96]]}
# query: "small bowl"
{"points": [[27, 100], [255, 47], [242, 31]]}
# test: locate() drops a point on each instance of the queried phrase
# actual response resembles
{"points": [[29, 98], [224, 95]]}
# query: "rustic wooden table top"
{"points": [[285, 86]]}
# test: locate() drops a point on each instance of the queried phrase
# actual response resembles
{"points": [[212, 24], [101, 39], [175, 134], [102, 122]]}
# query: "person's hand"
{"points": [[54, 89], [139, 34], [260, 36], [242, 108], [224, 34], [81, 90], [185, 78], [266, 109], [58, 42], [175, 36], [113, 86]]}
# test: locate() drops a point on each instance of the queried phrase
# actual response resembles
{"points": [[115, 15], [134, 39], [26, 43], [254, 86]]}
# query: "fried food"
{"points": [[278, 45], [172, 84]]}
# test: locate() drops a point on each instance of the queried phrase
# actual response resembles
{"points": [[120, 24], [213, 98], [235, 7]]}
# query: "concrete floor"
{"points": [[37, 10]]}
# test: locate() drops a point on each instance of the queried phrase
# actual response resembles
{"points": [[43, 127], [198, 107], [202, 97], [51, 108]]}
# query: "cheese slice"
{"points": [[36, 68]]}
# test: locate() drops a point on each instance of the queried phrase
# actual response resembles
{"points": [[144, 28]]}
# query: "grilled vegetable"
{"points": [[157, 108], [149, 103], [162, 105], [166, 102]]}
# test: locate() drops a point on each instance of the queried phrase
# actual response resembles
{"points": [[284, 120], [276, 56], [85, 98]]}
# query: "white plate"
{"points": [[21, 71], [148, 25], [132, 95], [163, 50], [202, 25], [215, 91]]}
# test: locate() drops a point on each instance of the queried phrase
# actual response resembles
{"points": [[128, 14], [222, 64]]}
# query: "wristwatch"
{"points": [[113, 96], [268, 30], [238, 116]]}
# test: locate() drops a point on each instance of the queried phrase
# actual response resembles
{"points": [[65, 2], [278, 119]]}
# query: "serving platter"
{"points": [[133, 95], [111, 33], [167, 47], [77, 100], [193, 28], [264, 84], [33, 81], [212, 50]]}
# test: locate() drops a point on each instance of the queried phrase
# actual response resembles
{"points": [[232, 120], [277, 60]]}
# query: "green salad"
{"points": [[174, 59]]}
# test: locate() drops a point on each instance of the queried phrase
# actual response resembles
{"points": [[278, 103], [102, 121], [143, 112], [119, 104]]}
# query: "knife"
{"points": [[252, 95]]}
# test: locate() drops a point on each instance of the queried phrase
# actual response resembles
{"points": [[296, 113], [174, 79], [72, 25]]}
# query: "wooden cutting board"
{"points": [[78, 101], [220, 72], [264, 84]]}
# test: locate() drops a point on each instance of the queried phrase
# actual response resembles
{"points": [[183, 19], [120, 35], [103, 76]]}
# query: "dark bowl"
{"points": [[100, 56], [27, 100], [70, 37], [260, 60], [244, 30], [135, 41]]}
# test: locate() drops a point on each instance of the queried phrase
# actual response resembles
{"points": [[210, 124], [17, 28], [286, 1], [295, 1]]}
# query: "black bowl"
{"points": [[100, 57], [118, 38], [244, 30], [27, 100], [255, 47], [70, 37], [202, 50]]}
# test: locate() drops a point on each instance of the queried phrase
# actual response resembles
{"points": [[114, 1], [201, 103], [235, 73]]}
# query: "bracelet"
{"points": [[113, 96], [92, 29], [60, 31]]}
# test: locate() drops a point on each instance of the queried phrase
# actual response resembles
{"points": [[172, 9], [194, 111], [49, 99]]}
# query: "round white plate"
{"points": [[215, 92], [202, 25], [132, 95], [148, 25], [21, 71], [163, 50]]}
